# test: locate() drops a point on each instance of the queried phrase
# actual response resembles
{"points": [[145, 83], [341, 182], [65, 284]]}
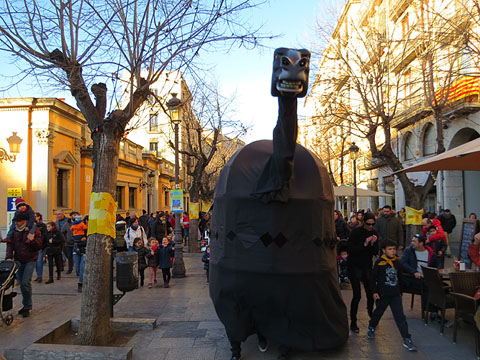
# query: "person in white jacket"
{"points": [[135, 231]]}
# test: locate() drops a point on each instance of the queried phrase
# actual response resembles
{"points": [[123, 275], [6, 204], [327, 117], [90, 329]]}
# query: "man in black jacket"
{"points": [[448, 221], [362, 246]]}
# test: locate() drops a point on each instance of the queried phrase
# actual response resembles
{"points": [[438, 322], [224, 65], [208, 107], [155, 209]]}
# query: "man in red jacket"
{"points": [[25, 251]]}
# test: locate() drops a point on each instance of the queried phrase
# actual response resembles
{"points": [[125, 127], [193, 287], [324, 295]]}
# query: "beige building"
{"points": [[408, 60]]}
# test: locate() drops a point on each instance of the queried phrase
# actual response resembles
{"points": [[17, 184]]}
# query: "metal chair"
{"points": [[464, 286], [438, 294]]}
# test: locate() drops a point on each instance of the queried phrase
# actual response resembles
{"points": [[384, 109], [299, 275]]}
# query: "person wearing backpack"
{"points": [[134, 231]]}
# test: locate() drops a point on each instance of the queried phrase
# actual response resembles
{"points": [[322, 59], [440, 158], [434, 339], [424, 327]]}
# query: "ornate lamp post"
{"points": [[174, 105], [354, 153], [14, 142]]}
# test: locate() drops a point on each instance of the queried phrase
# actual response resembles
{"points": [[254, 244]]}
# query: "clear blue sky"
{"points": [[246, 73], [249, 72]]}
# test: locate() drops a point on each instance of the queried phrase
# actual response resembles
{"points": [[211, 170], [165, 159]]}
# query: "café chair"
{"points": [[438, 294], [464, 286], [405, 289]]}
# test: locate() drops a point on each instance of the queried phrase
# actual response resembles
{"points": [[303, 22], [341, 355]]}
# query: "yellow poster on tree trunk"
{"points": [[194, 210], [102, 218], [413, 216]]}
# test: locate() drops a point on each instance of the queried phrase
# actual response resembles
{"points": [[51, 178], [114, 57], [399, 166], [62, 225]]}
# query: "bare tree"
{"points": [[364, 85], [83, 45], [210, 136]]}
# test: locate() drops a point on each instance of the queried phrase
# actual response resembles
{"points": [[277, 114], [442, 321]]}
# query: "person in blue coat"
{"points": [[165, 255]]}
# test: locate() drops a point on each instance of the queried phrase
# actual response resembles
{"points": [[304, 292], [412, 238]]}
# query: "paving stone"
{"points": [[191, 354], [185, 310]]}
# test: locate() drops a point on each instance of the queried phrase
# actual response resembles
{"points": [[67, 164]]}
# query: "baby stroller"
{"points": [[8, 270], [342, 263]]}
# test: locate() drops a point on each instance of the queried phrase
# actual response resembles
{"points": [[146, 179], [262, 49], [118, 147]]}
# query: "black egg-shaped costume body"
{"points": [[273, 266]]}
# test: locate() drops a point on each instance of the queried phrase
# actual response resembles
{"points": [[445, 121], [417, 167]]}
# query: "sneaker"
{"points": [[354, 328], [371, 333], [234, 357], [69, 271], [262, 345], [26, 313], [38, 279], [149, 285], [408, 344], [80, 287], [21, 311]]}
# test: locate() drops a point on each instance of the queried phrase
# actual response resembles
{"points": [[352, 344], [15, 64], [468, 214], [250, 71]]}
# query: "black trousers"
{"points": [[142, 276], [58, 263], [357, 276], [166, 274], [395, 303]]}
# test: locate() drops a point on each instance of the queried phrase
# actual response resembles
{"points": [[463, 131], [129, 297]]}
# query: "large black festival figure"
{"points": [[273, 263]]}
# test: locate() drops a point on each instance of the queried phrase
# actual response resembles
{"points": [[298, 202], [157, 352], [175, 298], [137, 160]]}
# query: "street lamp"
{"points": [[174, 105], [354, 153], [14, 142]]}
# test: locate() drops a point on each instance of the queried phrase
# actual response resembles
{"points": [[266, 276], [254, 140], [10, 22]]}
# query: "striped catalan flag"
{"points": [[466, 86]]}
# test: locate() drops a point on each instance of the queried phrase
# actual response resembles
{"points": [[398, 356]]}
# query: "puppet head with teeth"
{"points": [[290, 72]]}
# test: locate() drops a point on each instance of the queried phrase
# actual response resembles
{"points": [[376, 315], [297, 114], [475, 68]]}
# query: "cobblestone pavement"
{"points": [[188, 327]]}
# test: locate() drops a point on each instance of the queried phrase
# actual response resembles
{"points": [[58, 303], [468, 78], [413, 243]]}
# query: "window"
{"points": [[153, 121], [154, 147], [407, 83], [409, 147], [131, 197], [405, 26], [62, 188], [429, 140], [118, 197]]}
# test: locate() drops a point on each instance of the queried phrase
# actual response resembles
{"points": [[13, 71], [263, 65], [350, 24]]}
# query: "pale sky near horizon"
{"points": [[247, 73]]}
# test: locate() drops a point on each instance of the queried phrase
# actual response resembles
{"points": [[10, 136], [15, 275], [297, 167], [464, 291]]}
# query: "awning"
{"points": [[463, 157], [344, 190]]}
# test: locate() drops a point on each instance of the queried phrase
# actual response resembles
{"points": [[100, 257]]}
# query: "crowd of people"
{"points": [[62, 244], [366, 236]]}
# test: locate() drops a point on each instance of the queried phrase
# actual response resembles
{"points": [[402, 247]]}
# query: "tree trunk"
{"points": [[193, 239], [413, 200], [95, 326]]}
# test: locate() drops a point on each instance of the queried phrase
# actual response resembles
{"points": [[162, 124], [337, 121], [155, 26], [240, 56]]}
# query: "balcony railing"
{"points": [[411, 114]]}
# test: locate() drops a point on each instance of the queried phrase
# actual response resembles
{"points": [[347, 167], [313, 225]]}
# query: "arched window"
{"points": [[408, 147], [429, 140]]}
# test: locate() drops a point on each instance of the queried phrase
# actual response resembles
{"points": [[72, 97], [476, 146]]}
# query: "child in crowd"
{"points": [[342, 260], [23, 208], [165, 255], [142, 263], [384, 283], [79, 236], [152, 261], [206, 260], [438, 242]]}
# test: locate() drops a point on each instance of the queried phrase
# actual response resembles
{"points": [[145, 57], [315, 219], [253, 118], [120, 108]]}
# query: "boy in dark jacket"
{"points": [[142, 263], [385, 286]]}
